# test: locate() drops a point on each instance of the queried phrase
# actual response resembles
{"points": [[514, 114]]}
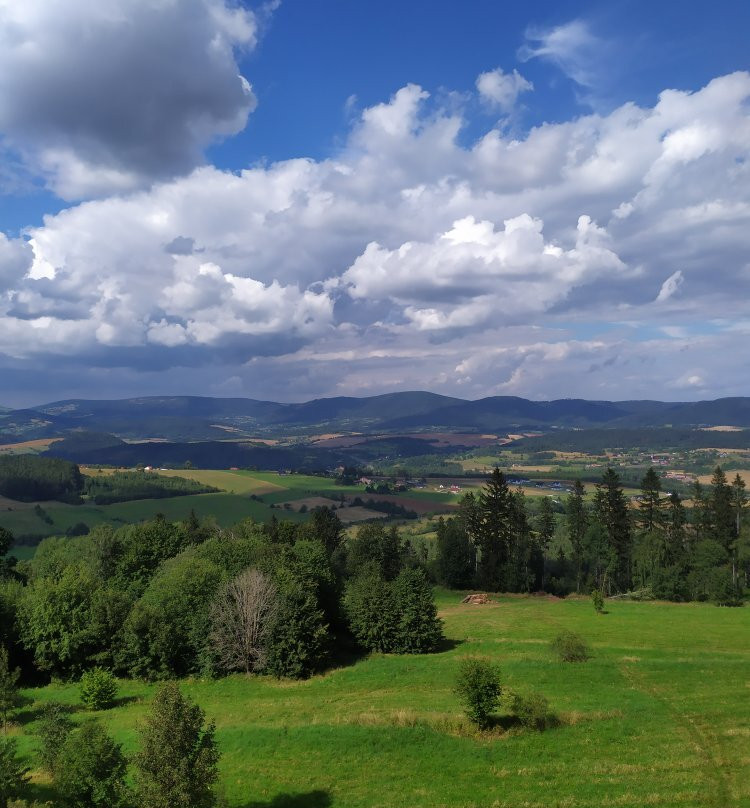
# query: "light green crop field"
{"points": [[660, 715]]}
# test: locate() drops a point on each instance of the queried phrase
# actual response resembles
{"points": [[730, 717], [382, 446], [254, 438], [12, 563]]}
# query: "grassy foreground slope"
{"points": [[659, 716]]}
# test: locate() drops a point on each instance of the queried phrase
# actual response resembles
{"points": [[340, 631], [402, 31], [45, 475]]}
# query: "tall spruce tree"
{"points": [[177, 763], [676, 520], [611, 511], [524, 566], [577, 522], [701, 519], [494, 532], [739, 501], [650, 516], [722, 511], [545, 530]]}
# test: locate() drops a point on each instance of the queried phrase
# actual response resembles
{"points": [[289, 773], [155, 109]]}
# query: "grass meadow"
{"points": [[660, 715]]}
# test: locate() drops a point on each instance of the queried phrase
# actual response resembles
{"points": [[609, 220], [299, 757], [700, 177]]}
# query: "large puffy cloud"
{"points": [[473, 273], [106, 96], [605, 256]]}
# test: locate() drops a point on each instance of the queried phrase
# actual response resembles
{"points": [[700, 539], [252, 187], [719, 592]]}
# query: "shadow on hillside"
{"points": [[448, 645], [311, 799]]}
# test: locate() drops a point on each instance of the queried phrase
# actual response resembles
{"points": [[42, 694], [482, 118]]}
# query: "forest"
{"points": [[662, 548]]}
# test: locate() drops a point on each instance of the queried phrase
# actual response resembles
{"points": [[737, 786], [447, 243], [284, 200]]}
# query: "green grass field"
{"points": [[659, 716]]}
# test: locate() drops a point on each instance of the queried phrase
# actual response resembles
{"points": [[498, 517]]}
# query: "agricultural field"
{"points": [[243, 495], [659, 715]]}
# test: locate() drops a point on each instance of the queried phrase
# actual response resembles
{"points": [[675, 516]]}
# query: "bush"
{"points": [[98, 689], [598, 600], [531, 710], [570, 647], [54, 728], [478, 686]]}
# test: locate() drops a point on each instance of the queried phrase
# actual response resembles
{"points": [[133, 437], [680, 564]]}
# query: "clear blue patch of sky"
{"points": [[315, 55]]}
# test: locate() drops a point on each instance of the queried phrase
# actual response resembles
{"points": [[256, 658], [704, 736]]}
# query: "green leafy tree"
{"points": [[90, 769], [577, 522], [98, 689], [9, 695], [419, 630], [166, 632], [55, 621], [177, 765], [478, 687], [13, 775]]}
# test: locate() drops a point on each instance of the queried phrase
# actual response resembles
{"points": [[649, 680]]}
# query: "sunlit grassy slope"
{"points": [[659, 716]]}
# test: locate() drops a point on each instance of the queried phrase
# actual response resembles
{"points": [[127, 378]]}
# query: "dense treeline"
{"points": [[123, 486], [160, 600], [30, 477], [660, 547]]}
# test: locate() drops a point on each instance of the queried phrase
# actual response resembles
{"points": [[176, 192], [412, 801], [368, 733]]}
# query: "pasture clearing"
{"points": [[659, 715]]}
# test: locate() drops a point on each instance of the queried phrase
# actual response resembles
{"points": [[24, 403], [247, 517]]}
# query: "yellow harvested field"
{"points": [[516, 467], [229, 481], [722, 429], [41, 443]]}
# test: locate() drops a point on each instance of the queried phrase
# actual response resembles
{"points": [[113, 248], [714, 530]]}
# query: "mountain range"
{"points": [[186, 418]]}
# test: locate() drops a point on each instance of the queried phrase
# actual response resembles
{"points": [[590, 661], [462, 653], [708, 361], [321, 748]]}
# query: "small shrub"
{"points": [[478, 686], [531, 710], [597, 598], [98, 689], [570, 647]]}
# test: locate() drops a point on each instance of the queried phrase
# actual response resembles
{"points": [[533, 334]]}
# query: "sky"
{"points": [[292, 200]]}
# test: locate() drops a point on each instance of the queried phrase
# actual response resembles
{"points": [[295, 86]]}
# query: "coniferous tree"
{"points": [[90, 769], [739, 501], [524, 568], [13, 774], [722, 511], [577, 519], [176, 766], [611, 512], [545, 530], [493, 539], [649, 517], [455, 554], [419, 630], [701, 517], [9, 697]]}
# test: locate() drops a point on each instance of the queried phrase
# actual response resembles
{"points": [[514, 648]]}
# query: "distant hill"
{"points": [[183, 419]]}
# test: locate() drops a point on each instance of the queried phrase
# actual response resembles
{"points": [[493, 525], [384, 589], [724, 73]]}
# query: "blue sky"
{"points": [[303, 199]]}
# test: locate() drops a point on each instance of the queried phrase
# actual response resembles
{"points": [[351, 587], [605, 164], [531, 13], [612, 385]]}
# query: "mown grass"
{"points": [[660, 715]]}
